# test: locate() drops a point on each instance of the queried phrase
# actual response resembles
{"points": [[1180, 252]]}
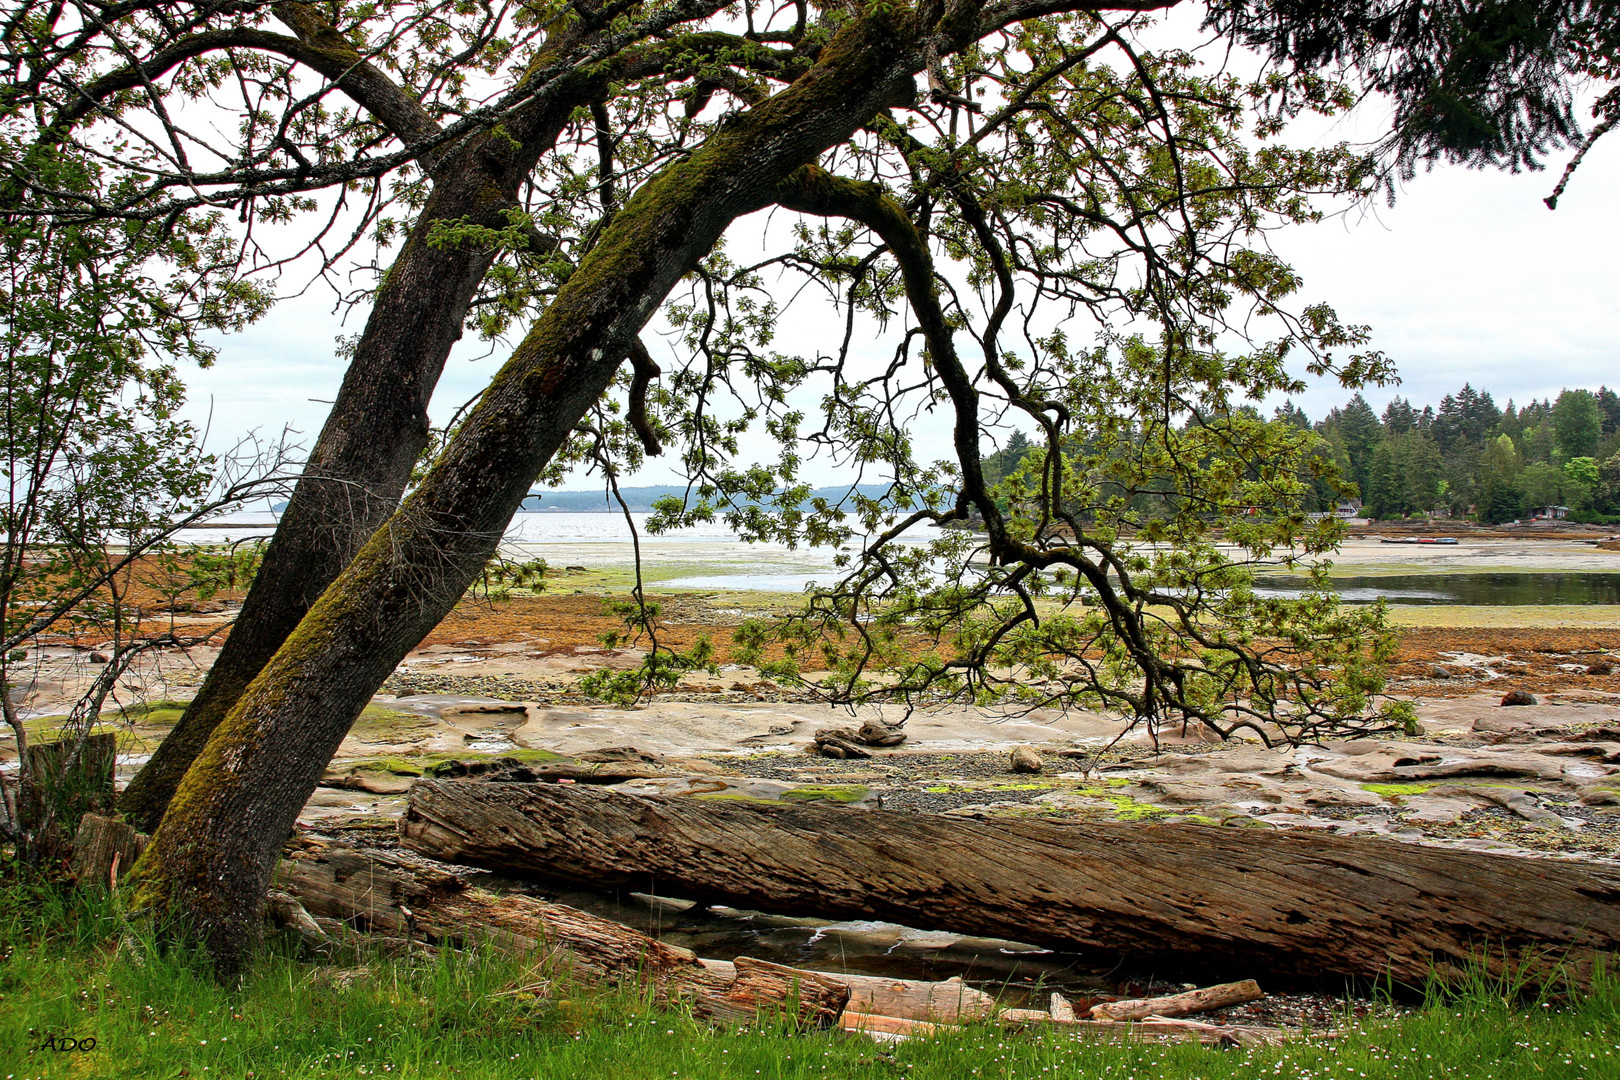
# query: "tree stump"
{"points": [[56, 795]]}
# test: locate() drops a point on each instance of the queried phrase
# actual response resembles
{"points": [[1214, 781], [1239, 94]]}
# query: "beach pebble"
{"points": [[1519, 697]]}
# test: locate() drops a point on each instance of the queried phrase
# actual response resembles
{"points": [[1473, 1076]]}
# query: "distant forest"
{"points": [[1466, 457]]}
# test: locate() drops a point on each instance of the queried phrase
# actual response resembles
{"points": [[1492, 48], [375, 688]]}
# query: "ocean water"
{"points": [[710, 557], [707, 556]]}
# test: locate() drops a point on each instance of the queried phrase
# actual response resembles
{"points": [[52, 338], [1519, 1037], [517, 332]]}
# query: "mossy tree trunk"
{"points": [[353, 480], [210, 862], [378, 425]]}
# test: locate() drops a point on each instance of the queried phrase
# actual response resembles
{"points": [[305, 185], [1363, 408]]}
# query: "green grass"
{"points": [[161, 1015]]}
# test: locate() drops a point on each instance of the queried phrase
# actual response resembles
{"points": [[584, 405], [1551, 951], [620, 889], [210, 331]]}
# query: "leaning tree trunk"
{"points": [[210, 861], [373, 437], [1296, 904]]}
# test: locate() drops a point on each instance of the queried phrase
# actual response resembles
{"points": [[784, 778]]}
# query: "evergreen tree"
{"points": [[1361, 432], [1609, 404], [1399, 417], [1578, 422], [1500, 497]]}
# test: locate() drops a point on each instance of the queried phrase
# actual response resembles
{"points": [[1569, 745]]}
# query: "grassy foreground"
{"points": [[64, 975]]}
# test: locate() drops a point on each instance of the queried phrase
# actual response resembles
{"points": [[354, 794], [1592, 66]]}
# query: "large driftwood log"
{"points": [[1294, 904], [403, 896]]}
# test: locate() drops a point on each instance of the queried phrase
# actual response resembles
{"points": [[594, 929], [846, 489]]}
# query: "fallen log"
{"points": [[1291, 905], [1204, 999], [399, 895]]}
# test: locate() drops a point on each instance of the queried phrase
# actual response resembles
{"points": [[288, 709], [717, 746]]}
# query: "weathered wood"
{"points": [[1159, 1029], [1291, 905], [948, 1000], [61, 786], [1203, 999], [101, 845], [400, 895]]}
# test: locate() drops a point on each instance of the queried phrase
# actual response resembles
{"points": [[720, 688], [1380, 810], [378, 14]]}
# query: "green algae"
{"points": [[1396, 790], [838, 793]]}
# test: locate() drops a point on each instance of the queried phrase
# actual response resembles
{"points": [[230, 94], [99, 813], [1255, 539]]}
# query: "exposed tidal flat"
{"points": [[1476, 573]]}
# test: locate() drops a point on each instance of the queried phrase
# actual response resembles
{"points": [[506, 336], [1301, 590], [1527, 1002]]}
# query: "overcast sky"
{"points": [[1467, 278]]}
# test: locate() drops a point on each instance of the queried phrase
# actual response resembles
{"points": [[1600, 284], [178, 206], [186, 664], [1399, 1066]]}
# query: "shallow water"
{"points": [[1485, 589], [602, 540]]}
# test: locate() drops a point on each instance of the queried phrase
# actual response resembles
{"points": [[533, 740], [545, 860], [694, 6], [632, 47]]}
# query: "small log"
{"points": [[949, 1000], [1161, 1029], [840, 743], [1193, 1001], [877, 733], [1295, 904], [288, 912], [100, 843], [405, 896], [1060, 1008], [877, 1023], [1158, 1028]]}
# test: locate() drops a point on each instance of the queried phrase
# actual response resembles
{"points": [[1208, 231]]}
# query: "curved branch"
{"points": [[813, 190]]}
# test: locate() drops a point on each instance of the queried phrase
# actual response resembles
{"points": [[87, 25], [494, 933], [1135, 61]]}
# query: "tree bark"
{"points": [[1295, 905], [371, 441], [210, 861], [378, 425], [395, 894], [103, 847]]}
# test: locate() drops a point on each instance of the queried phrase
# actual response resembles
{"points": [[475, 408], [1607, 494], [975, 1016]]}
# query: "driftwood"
{"points": [[1290, 905], [103, 847], [947, 1001], [853, 742], [402, 896], [1156, 1029], [1204, 999]]}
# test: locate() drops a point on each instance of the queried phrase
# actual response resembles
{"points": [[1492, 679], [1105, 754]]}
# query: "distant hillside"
{"points": [[640, 499]]}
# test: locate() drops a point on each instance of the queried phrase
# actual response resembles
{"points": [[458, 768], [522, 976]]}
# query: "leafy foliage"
{"points": [[1487, 83], [98, 469]]}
